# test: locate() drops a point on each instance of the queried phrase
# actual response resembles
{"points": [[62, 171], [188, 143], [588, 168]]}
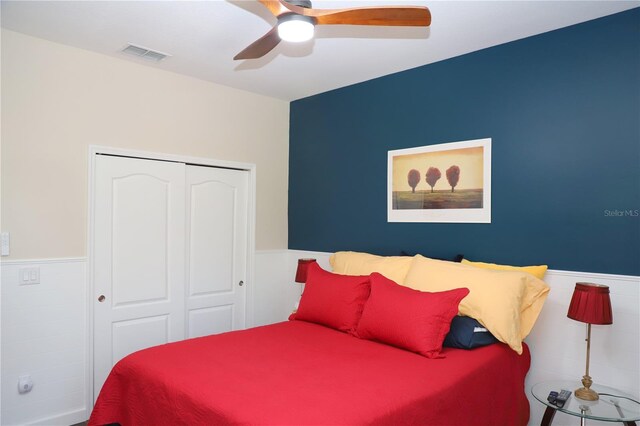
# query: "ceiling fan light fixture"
{"points": [[297, 19], [295, 28]]}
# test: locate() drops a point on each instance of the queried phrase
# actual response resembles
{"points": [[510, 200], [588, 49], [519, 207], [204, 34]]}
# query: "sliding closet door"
{"points": [[217, 204], [139, 263]]}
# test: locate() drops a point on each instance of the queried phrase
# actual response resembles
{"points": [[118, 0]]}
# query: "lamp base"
{"points": [[585, 393]]}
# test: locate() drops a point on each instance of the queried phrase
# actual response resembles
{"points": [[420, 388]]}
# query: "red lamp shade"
{"points": [[591, 304], [301, 273]]}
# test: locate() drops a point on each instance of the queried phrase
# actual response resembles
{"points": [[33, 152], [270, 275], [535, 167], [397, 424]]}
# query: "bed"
{"points": [[361, 349], [300, 373]]}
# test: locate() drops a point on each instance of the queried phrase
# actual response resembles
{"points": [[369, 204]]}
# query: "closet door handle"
{"points": [[101, 298], [241, 283]]}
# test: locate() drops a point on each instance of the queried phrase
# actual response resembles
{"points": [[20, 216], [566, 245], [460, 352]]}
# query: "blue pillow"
{"points": [[467, 333]]}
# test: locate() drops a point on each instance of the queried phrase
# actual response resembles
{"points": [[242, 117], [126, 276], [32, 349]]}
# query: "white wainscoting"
{"points": [[44, 334], [275, 292]]}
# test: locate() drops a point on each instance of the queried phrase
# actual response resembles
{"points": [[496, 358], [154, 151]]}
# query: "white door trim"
{"points": [[95, 150]]}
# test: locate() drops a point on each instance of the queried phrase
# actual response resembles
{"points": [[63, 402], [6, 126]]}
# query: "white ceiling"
{"points": [[203, 36]]}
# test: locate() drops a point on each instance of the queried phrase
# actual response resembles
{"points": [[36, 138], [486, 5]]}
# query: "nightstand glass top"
{"points": [[607, 408]]}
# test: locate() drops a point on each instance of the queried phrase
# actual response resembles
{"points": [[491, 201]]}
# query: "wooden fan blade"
{"points": [[275, 6], [411, 16], [260, 47]]}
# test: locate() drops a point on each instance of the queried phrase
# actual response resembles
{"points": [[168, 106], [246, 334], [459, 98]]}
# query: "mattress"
{"points": [[299, 373]]}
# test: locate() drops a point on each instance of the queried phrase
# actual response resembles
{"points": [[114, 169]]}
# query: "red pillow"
{"points": [[409, 319], [333, 300]]}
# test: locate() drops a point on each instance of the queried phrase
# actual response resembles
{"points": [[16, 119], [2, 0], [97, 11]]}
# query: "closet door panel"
{"points": [[140, 224], [135, 334], [213, 320], [139, 272], [211, 237], [216, 249]]}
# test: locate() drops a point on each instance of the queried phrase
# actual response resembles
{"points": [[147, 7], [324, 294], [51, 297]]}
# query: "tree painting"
{"points": [[414, 178], [432, 176], [453, 175], [428, 190]]}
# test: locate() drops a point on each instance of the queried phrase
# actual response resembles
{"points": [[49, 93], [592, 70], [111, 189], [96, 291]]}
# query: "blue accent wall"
{"points": [[563, 110]]}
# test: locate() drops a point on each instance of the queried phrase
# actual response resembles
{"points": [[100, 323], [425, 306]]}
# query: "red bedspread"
{"points": [[298, 373]]}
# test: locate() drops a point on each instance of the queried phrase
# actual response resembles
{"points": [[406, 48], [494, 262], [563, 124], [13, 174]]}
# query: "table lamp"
{"points": [[590, 304], [301, 273]]}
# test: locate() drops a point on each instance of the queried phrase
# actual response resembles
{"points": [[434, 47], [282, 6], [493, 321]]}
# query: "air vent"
{"points": [[144, 53]]}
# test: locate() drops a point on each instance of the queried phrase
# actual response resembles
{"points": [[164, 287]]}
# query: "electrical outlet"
{"points": [[25, 384]]}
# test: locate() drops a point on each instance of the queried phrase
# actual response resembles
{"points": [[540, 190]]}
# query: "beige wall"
{"points": [[58, 100]]}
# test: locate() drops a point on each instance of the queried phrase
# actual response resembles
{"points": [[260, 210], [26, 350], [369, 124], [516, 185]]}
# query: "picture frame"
{"points": [[442, 183]]}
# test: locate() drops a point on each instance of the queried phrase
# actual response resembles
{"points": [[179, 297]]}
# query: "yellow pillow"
{"points": [[536, 271], [533, 301], [497, 298], [353, 263]]}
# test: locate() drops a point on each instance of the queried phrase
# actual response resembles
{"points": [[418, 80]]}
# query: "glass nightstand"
{"points": [[607, 408]]}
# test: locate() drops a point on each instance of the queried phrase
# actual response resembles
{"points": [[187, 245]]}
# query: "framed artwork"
{"points": [[449, 182]]}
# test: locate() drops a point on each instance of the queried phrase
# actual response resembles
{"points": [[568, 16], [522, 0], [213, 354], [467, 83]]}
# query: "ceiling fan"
{"points": [[296, 21]]}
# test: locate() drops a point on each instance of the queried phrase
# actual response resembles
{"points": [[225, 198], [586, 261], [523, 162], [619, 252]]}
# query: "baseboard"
{"points": [[65, 419]]}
